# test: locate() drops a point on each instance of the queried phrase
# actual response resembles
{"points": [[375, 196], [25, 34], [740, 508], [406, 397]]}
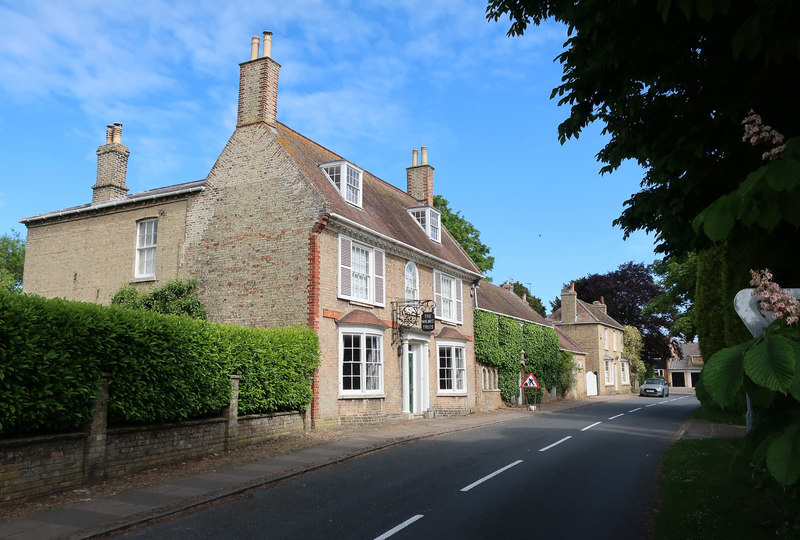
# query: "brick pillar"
{"points": [[94, 457], [231, 413]]}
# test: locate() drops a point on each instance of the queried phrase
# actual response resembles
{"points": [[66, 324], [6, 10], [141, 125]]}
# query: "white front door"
{"points": [[591, 384], [417, 378]]}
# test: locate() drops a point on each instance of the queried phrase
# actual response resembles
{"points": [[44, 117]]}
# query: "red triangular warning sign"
{"points": [[530, 382]]}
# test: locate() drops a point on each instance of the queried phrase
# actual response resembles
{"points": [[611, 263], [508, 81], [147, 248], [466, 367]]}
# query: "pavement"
{"points": [[105, 515]]}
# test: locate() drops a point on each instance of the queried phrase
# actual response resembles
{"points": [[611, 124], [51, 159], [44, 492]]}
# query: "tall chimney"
{"points": [[112, 167], [569, 305], [419, 178], [258, 85], [508, 286], [601, 305]]}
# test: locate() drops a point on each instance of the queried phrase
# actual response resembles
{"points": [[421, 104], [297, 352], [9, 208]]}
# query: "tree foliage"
{"points": [[627, 291], [534, 301], [465, 234], [12, 261], [678, 277], [672, 82], [632, 348], [173, 298]]}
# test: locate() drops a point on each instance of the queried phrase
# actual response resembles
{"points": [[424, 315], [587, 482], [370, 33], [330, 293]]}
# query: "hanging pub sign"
{"points": [[428, 321]]}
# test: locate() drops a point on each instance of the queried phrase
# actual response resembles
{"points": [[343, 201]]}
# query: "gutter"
{"points": [[109, 204]]}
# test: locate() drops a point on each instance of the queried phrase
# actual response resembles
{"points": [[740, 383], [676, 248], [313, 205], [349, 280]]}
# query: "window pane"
{"points": [[334, 173], [461, 372], [351, 362], [435, 226], [353, 185], [361, 273], [412, 289], [447, 298], [373, 362], [445, 368]]}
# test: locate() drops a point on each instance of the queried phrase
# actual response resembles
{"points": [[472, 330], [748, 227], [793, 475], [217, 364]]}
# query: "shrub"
{"points": [[162, 368], [173, 298]]}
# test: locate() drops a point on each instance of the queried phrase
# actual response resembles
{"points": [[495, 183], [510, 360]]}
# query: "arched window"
{"points": [[412, 281]]}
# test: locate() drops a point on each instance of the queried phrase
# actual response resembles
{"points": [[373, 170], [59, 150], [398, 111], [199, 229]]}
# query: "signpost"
{"points": [[530, 382]]}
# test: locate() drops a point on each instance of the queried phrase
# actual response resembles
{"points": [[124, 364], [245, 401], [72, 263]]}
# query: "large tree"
{"points": [[12, 261], [465, 234], [627, 291], [672, 82], [678, 278]]}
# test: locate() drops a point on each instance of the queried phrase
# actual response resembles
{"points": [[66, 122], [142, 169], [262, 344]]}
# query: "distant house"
{"points": [[590, 326], [502, 301], [283, 232], [685, 365]]}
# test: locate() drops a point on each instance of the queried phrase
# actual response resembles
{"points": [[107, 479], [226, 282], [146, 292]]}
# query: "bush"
{"points": [[173, 298], [163, 368]]}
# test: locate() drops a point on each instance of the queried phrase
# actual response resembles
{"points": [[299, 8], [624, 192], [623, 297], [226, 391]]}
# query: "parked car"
{"points": [[654, 387]]}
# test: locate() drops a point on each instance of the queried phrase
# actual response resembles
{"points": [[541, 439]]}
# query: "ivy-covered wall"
{"points": [[500, 341]]}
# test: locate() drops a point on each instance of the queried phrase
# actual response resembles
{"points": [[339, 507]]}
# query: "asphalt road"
{"points": [[589, 472]]}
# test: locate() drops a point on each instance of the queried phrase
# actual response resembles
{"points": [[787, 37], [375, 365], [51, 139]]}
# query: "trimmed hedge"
{"points": [[163, 368]]}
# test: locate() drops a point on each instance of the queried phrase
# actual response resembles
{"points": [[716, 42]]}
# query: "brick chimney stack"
{"points": [[112, 167], [508, 286], [601, 305], [258, 85], [419, 178], [569, 304]]}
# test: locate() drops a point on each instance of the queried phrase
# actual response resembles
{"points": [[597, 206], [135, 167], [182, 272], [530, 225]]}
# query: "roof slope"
{"points": [[566, 344], [586, 313], [499, 300], [384, 207]]}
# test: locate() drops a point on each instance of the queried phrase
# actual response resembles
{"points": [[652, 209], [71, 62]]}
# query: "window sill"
{"points": [[448, 323], [142, 279], [454, 394], [362, 396], [361, 303], [491, 390]]}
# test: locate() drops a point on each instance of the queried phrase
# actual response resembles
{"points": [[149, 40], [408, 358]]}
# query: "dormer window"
{"points": [[429, 219], [346, 178]]}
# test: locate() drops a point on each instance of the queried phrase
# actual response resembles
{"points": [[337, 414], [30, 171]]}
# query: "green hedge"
{"points": [[163, 368], [499, 342]]}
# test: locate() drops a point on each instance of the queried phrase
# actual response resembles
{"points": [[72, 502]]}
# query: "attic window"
{"points": [[429, 219], [346, 178]]}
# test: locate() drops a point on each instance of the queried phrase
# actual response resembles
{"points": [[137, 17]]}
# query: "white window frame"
{"points": [[364, 334], [429, 220], [375, 272], [614, 339], [605, 337], [146, 245], [609, 369], [625, 372], [454, 299], [350, 178], [456, 373], [411, 281]]}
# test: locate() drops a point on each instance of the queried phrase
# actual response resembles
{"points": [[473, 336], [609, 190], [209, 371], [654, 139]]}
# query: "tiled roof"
{"points": [[690, 352], [499, 300], [129, 198], [361, 317], [566, 344], [450, 333], [384, 207], [586, 313]]}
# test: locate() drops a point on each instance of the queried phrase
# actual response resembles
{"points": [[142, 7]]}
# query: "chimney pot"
{"points": [[267, 44], [116, 133], [602, 300], [424, 152], [254, 47], [109, 133], [572, 286], [414, 158]]}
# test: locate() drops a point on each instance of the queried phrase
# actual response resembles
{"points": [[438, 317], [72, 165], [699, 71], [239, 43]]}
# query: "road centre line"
{"points": [[555, 444], [621, 414], [590, 427], [488, 476], [400, 527], [636, 409], [651, 405]]}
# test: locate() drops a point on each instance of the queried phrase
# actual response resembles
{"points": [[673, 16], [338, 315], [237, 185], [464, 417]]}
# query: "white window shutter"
{"points": [[459, 303], [380, 278], [437, 292], [345, 270]]}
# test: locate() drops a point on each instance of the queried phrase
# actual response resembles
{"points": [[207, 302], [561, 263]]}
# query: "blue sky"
{"points": [[369, 80]]}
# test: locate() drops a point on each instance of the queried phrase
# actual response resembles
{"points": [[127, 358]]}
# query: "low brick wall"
{"points": [[38, 465]]}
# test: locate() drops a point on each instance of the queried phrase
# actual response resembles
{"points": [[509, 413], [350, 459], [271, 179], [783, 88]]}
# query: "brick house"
{"points": [[285, 232], [685, 365], [588, 325], [503, 301]]}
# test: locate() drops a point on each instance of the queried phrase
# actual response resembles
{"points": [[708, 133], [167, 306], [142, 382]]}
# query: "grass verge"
{"points": [[719, 416], [706, 492]]}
